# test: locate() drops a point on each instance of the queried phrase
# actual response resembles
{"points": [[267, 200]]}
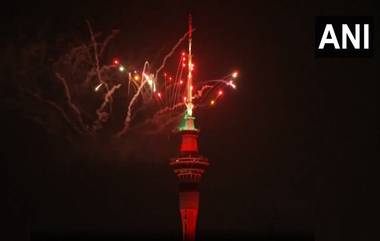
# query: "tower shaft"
{"points": [[188, 205]]}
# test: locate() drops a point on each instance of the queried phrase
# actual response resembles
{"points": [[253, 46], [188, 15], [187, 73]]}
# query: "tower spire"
{"points": [[189, 88]]}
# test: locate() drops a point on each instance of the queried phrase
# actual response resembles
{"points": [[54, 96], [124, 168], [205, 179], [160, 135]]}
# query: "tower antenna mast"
{"points": [[189, 166], [189, 98]]}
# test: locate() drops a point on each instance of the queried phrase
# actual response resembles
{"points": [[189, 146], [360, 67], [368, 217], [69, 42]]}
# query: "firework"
{"points": [[169, 91], [163, 91]]}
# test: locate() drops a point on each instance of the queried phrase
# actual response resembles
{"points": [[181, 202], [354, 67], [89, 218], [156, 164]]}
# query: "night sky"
{"points": [[290, 150]]}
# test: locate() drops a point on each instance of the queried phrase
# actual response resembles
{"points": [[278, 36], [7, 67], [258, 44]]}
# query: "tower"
{"points": [[189, 165]]}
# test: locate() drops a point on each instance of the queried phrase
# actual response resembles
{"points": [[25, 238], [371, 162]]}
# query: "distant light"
{"points": [[212, 102], [235, 74], [159, 94], [180, 82], [136, 77], [183, 59], [121, 68], [183, 65], [184, 98], [220, 92], [183, 53], [170, 78], [116, 61]]}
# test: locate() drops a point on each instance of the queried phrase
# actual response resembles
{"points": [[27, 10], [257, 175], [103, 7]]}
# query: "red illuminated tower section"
{"points": [[189, 167]]}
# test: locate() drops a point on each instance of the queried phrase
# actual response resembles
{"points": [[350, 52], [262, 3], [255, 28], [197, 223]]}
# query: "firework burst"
{"points": [[88, 84], [174, 91]]}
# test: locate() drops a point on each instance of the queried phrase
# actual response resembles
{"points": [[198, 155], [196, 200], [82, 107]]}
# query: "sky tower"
{"points": [[189, 165]]}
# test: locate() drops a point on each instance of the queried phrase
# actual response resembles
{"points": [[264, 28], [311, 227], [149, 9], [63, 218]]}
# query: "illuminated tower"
{"points": [[189, 165]]}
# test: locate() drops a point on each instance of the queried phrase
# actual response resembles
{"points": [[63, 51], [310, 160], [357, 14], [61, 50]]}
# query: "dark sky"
{"points": [[290, 150]]}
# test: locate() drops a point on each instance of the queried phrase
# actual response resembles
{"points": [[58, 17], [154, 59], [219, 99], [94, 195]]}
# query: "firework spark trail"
{"points": [[217, 80], [131, 103], [200, 92], [99, 70], [212, 87], [134, 85], [81, 50], [107, 40], [103, 116], [171, 52], [70, 102], [172, 93], [178, 87], [168, 109], [177, 83], [55, 107], [219, 83], [93, 72], [144, 80], [96, 55]]}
